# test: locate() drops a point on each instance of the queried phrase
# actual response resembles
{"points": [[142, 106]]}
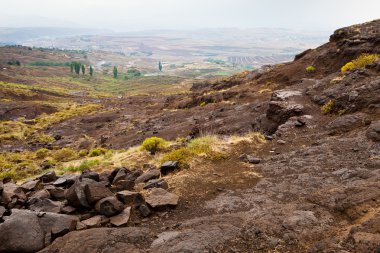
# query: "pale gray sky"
{"points": [[126, 15]]}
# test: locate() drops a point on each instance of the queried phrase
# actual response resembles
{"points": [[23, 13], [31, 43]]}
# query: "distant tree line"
{"points": [[78, 67]]}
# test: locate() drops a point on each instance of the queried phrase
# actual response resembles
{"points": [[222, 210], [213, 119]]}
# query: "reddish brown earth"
{"points": [[317, 187]]}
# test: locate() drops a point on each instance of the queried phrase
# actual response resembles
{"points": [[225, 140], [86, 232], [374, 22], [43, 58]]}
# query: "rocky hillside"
{"points": [[292, 164]]}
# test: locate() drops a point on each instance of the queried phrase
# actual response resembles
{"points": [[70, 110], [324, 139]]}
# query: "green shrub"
{"points": [[327, 107], [85, 165], [360, 62], [64, 155], [83, 153], [310, 69], [182, 155], [42, 153], [97, 152], [153, 144], [203, 103]]}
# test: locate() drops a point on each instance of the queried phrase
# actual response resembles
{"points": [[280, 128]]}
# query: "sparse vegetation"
{"points": [[310, 69], [84, 165], [97, 152], [115, 72], [203, 103], [154, 144], [360, 62], [327, 107], [64, 155]]}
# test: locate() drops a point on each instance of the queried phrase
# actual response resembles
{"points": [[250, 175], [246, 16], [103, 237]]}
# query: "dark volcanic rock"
{"points": [[122, 218], [95, 192], [144, 210], [48, 177], [168, 167], [130, 198], [12, 194], [156, 183], [31, 185], [122, 185], [65, 180], [44, 205], [159, 198], [101, 240], [150, 174], [26, 231], [109, 206], [96, 221], [76, 196], [90, 174]]}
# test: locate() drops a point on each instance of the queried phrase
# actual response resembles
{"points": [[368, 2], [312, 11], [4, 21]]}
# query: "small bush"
{"points": [[360, 62], [97, 152], [328, 107], [182, 155], [83, 153], [64, 155], [42, 153], [202, 104], [310, 69], [153, 144], [85, 165]]}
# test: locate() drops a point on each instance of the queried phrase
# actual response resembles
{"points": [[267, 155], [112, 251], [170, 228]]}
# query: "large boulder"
{"points": [[44, 205], [130, 198], [109, 206], [28, 231], [31, 185], [160, 198], [101, 240], [95, 192], [65, 180], [12, 195], [76, 195]]}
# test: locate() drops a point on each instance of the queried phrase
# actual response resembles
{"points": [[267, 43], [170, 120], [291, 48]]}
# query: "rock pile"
{"points": [[35, 213]]}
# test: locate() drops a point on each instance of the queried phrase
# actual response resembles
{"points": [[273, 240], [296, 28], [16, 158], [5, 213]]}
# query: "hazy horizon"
{"points": [[125, 16]]}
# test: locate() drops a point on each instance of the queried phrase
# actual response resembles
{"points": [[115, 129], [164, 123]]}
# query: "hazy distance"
{"points": [[127, 15]]}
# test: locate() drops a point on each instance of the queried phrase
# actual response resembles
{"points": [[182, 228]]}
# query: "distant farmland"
{"points": [[259, 60]]}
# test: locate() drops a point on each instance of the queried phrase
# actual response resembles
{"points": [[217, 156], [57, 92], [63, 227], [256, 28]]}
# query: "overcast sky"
{"points": [[127, 15]]}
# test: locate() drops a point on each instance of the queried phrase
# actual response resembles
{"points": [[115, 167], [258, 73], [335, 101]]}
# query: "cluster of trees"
{"points": [[14, 62], [78, 67]]}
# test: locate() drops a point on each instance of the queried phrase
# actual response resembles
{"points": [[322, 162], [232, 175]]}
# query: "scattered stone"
{"points": [[121, 174], [45, 165], [41, 194], [44, 205], [56, 193], [76, 196], [104, 177], [26, 231], [156, 183], [132, 176], [122, 218], [96, 221], [281, 142], [11, 193], [68, 209], [90, 174], [122, 185], [130, 198], [373, 132], [168, 167], [150, 174], [159, 198], [109, 206], [31, 185], [65, 180], [249, 159], [268, 137], [144, 210], [95, 192], [48, 177]]}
